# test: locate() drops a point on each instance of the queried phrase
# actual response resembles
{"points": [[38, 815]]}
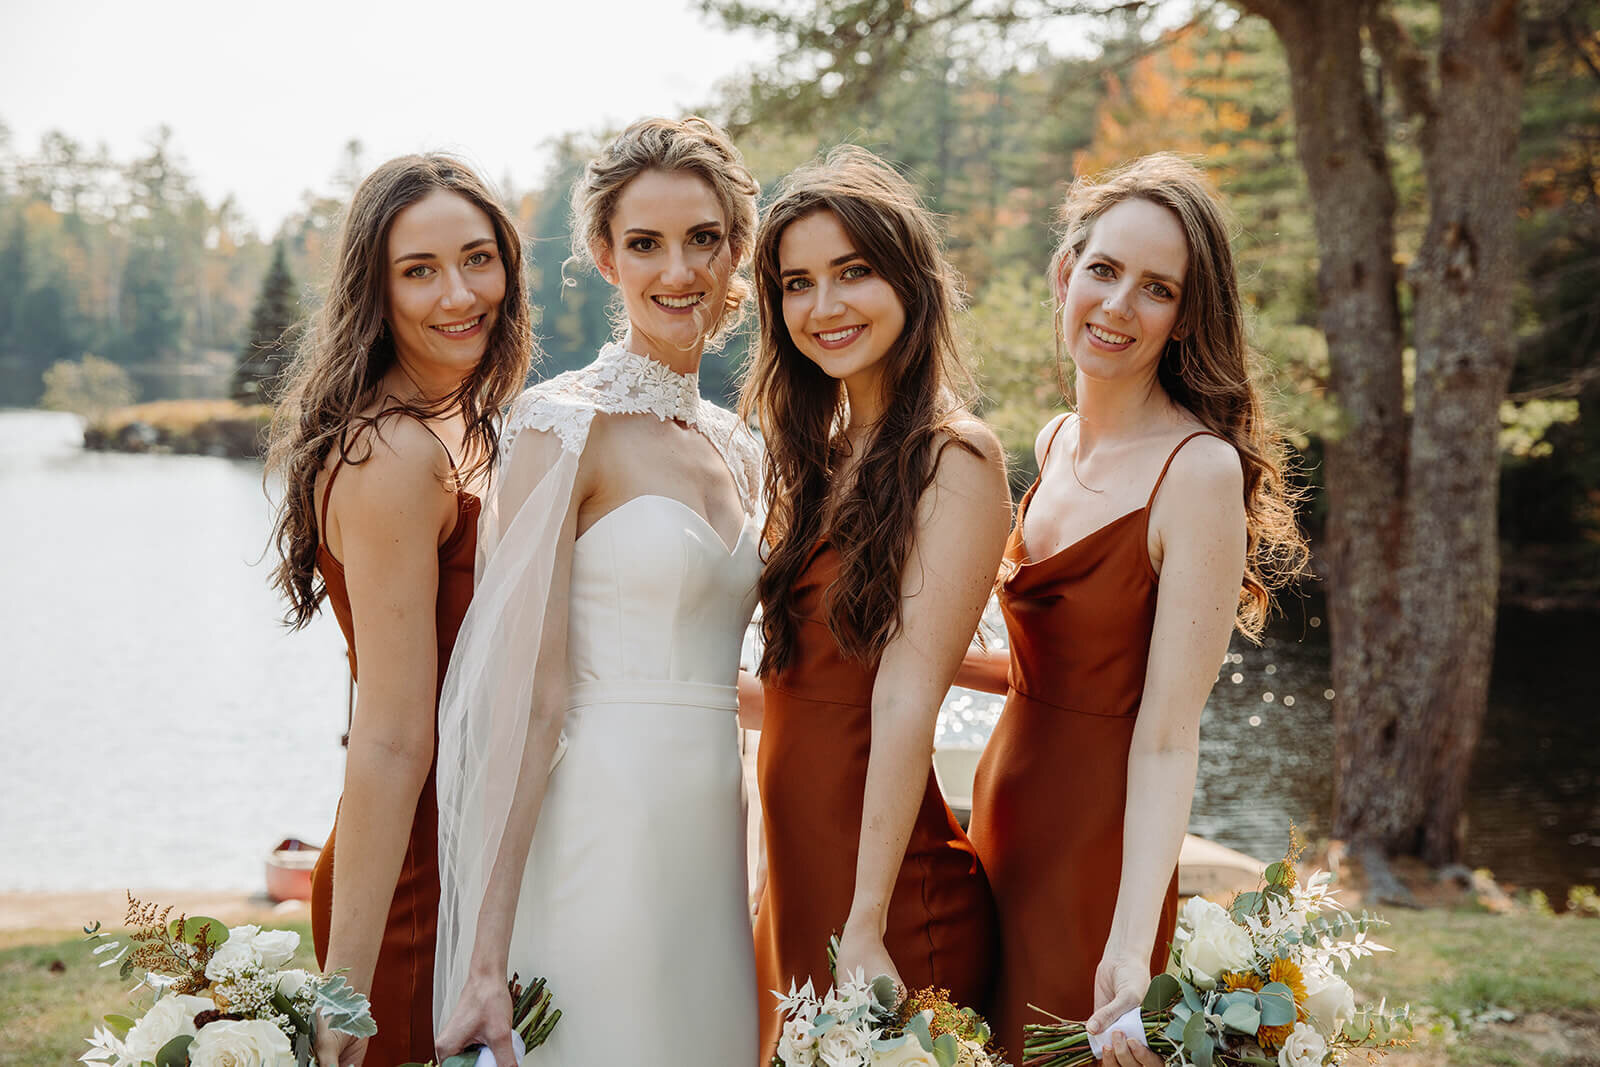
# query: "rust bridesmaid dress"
{"points": [[812, 770], [1051, 788], [402, 983]]}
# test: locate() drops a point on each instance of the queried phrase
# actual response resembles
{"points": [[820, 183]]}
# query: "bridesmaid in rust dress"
{"points": [[1158, 523], [387, 420], [888, 512]]}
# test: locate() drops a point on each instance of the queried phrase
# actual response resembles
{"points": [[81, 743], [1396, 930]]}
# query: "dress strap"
{"points": [[1172, 456], [1062, 421], [327, 490]]}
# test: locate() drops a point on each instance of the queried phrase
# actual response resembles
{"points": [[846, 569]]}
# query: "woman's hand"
{"points": [[334, 1049], [482, 1017], [861, 948], [1120, 983]]}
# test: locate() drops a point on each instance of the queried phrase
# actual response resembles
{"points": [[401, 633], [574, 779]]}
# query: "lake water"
{"points": [[162, 729]]}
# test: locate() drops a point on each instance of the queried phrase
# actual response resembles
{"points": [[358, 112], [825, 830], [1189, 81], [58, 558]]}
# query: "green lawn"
{"points": [[1514, 990]]}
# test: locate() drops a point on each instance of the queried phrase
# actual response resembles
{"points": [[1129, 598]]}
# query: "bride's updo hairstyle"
{"points": [[693, 146], [1206, 368], [349, 348], [801, 410]]}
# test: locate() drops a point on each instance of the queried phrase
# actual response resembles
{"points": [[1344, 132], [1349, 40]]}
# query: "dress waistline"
{"points": [[653, 691]]}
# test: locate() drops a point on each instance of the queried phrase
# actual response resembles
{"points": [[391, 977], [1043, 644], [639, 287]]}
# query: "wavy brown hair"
{"points": [[690, 145], [1207, 366], [801, 409], [337, 370]]}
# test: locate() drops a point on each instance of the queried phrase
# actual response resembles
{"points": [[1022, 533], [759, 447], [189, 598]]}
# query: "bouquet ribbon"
{"points": [[1131, 1026]]}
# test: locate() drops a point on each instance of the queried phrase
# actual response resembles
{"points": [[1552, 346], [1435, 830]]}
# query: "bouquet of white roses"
{"points": [[1258, 982], [859, 1023], [222, 997]]}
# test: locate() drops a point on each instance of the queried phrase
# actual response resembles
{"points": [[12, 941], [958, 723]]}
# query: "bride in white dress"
{"points": [[591, 826]]}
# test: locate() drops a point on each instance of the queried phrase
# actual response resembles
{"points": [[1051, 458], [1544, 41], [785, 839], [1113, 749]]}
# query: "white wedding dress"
{"points": [[633, 903]]}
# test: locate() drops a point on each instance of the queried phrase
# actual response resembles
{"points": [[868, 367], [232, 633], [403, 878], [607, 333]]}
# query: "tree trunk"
{"points": [[1462, 281], [1412, 550]]}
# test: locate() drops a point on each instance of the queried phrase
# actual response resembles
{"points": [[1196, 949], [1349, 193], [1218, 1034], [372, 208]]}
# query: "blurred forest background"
{"points": [[123, 260]]}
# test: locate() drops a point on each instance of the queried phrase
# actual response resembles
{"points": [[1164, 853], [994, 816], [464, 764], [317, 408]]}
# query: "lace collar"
{"points": [[650, 384]]}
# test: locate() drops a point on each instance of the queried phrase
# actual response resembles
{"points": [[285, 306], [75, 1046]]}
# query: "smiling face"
{"points": [[840, 312], [1120, 296], [445, 285], [671, 259]]}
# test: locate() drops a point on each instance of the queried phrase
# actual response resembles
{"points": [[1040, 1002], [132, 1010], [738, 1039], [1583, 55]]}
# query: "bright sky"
{"points": [[262, 98]]}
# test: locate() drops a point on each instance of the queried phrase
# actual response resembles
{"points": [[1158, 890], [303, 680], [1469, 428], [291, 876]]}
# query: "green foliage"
{"points": [[90, 386], [274, 329], [345, 1008]]}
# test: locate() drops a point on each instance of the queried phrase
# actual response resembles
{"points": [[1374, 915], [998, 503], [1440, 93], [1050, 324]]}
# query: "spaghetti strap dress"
{"points": [[402, 983], [812, 771], [1050, 792]]}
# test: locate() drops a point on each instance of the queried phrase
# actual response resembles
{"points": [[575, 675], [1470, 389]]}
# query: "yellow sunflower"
{"points": [[1286, 971]]}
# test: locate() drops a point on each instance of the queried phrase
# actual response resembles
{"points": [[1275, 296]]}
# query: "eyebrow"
{"points": [[1158, 276], [469, 246], [712, 224], [837, 261]]}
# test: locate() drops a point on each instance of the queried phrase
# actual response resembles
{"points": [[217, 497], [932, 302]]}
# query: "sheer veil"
{"points": [[485, 702]]}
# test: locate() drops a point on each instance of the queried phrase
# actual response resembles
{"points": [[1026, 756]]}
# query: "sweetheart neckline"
{"points": [[738, 543]]}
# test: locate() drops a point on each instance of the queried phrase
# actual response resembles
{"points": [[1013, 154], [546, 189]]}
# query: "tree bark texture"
{"points": [[1412, 551]]}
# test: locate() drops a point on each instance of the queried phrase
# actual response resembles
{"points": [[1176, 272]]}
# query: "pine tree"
{"points": [[274, 328]]}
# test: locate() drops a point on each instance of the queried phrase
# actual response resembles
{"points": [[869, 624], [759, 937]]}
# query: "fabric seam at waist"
{"points": [[1064, 707], [654, 691]]}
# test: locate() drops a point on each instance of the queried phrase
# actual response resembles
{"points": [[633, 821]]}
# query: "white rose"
{"points": [[1213, 942], [255, 1043], [170, 1017], [797, 1047], [910, 1054], [249, 945], [844, 1046], [1329, 999], [1305, 1048], [292, 981]]}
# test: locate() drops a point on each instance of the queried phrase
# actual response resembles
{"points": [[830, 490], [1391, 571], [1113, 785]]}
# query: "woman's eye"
{"points": [[854, 271], [1101, 270], [478, 259], [795, 285], [706, 238], [642, 244], [1161, 291], [419, 271]]}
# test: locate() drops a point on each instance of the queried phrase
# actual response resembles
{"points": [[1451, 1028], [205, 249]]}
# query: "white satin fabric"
{"points": [[633, 899]]}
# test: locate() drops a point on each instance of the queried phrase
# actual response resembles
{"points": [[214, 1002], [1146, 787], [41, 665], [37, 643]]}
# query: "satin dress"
{"points": [[812, 768], [1050, 792]]}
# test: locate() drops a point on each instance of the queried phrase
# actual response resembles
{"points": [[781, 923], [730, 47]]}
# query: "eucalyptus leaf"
{"points": [[1182, 1011], [1277, 1005], [1193, 1031], [947, 1050], [214, 932], [469, 1058], [1164, 989], [1174, 1030], [175, 1053], [1191, 996], [1241, 1016], [917, 1026], [1246, 903], [119, 1024], [127, 967], [889, 1044], [1275, 874], [822, 1024]]}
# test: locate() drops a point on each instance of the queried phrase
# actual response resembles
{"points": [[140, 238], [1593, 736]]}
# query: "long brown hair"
{"points": [[348, 350], [692, 146], [1207, 366], [801, 409]]}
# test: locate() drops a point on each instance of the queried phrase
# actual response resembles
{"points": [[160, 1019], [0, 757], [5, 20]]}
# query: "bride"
{"points": [[591, 829]]}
